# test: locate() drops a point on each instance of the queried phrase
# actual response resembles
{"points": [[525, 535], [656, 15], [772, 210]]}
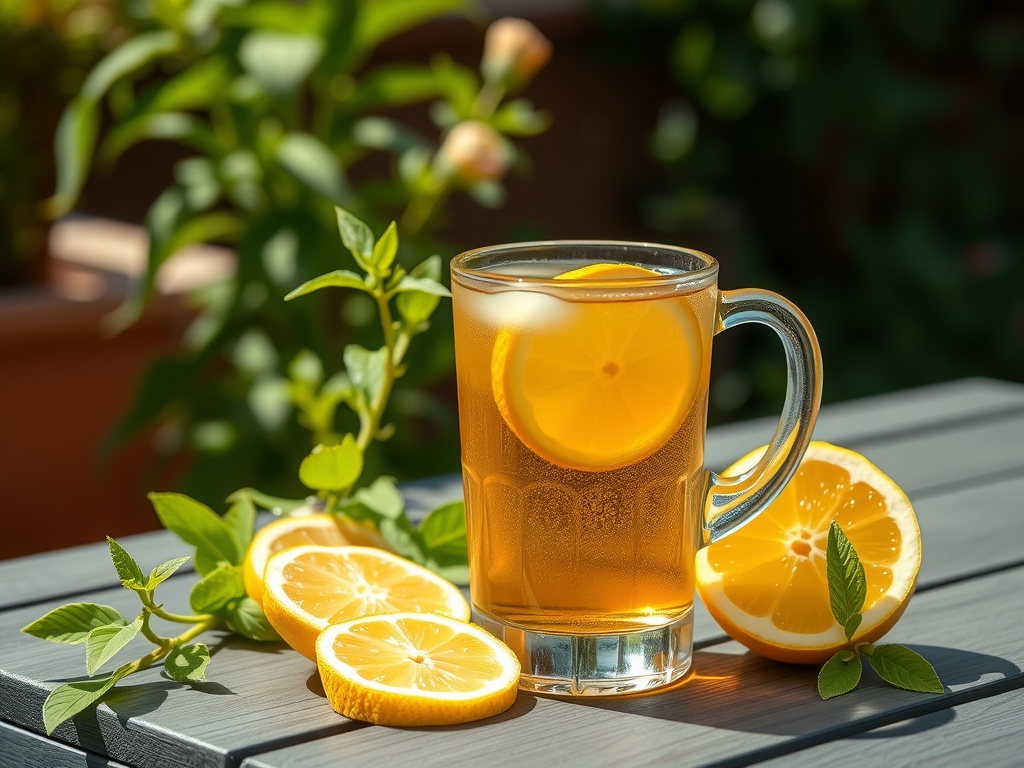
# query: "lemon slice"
{"points": [[606, 385], [415, 669], [309, 587], [298, 529], [766, 583]]}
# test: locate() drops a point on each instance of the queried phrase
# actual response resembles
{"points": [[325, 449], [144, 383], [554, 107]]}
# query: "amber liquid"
{"points": [[560, 550]]}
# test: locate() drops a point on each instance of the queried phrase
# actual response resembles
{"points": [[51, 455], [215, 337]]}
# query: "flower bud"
{"points": [[514, 51], [473, 152]]}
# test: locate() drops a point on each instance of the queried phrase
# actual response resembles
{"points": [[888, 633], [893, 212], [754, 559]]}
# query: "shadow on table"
{"points": [[744, 692]]}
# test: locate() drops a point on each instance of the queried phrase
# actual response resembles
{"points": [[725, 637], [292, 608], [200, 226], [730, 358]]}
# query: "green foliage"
{"points": [[859, 157], [218, 599], [847, 589], [282, 110]]}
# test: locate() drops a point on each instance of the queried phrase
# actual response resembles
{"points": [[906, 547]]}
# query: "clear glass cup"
{"points": [[583, 372]]}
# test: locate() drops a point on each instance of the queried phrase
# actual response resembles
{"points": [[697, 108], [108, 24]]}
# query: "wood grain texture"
{"points": [[22, 749], [736, 706], [987, 732]]}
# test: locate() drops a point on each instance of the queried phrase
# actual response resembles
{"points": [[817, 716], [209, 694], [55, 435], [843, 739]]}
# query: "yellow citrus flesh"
{"points": [[291, 531], [307, 588], [766, 583], [607, 384], [412, 669]]}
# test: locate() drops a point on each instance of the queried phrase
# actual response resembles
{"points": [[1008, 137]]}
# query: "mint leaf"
{"points": [[421, 285], [840, 674], [128, 571], [66, 701], [164, 571], [367, 370], [332, 467], [357, 237], [103, 642], [382, 498], [904, 668], [444, 533], [340, 278], [275, 504], [198, 525], [246, 618], [847, 584], [71, 624], [385, 250], [222, 585], [416, 306], [401, 538], [188, 664], [852, 624], [241, 521]]}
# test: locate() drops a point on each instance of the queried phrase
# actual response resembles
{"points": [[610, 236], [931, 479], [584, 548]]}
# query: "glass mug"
{"points": [[583, 371]]}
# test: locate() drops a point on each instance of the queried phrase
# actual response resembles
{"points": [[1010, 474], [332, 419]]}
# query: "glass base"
{"points": [[597, 665]]}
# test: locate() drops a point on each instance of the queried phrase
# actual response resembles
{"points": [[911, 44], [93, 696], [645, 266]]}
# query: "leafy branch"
{"points": [[218, 601], [895, 664]]}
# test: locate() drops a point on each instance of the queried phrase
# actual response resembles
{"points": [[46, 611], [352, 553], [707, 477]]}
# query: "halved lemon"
{"points": [[766, 583], [307, 588], [296, 530], [605, 385], [415, 669]]}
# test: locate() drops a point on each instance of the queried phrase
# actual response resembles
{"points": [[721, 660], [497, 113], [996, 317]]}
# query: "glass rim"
{"points": [[461, 269]]}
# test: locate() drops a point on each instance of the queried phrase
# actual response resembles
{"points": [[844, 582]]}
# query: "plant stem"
{"points": [[158, 610], [163, 650]]}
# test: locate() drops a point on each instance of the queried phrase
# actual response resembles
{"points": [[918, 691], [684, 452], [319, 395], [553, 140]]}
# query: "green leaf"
{"points": [[840, 674], [276, 504], [456, 574], [444, 533], [340, 278], [70, 624], [171, 126], [279, 63], [366, 369], [904, 668], [196, 86], [416, 307], [385, 250], [103, 642], [128, 571], [395, 85], [379, 21], [188, 663], [196, 524], [332, 467], [246, 618], [66, 701], [163, 571], [310, 161], [851, 626], [518, 118], [847, 585], [138, 51], [241, 521], [220, 586], [356, 236], [400, 536], [382, 498], [73, 145], [422, 285]]}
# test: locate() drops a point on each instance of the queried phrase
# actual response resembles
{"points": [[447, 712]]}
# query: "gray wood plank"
{"points": [[23, 749], [987, 732], [256, 694], [736, 707]]}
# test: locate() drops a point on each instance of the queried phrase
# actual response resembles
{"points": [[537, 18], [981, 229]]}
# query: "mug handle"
{"points": [[732, 501]]}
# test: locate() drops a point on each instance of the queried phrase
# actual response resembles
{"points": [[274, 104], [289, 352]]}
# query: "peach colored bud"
{"points": [[514, 51], [473, 151]]}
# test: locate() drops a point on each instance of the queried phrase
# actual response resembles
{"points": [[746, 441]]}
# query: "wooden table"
{"points": [[957, 449]]}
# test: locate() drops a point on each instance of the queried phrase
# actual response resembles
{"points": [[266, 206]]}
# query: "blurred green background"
{"points": [[861, 157]]}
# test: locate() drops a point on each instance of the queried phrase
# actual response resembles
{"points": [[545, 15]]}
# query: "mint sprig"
{"points": [[895, 664], [332, 471]]}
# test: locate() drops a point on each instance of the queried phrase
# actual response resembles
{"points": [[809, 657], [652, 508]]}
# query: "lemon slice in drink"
{"points": [[412, 669], [307, 588], [766, 583], [605, 385]]}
